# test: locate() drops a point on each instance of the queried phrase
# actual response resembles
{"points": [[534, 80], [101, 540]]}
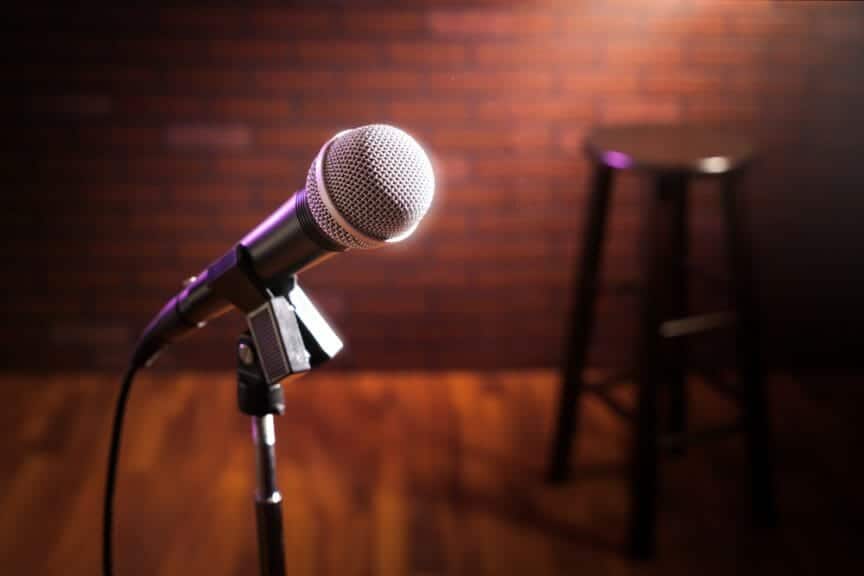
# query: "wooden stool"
{"points": [[670, 155]]}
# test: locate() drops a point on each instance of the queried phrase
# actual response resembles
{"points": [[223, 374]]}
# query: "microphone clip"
{"points": [[287, 337], [289, 332]]}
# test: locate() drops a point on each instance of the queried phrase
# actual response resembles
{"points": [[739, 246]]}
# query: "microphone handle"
{"points": [[287, 242]]}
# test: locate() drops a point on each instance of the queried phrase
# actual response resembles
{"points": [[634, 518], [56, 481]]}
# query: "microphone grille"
{"points": [[379, 182]]}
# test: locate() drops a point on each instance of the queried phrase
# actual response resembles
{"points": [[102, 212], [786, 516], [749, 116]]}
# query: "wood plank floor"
{"points": [[403, 473]]}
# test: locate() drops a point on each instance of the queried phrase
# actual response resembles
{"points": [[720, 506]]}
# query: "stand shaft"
{"points": [[268, 501]]}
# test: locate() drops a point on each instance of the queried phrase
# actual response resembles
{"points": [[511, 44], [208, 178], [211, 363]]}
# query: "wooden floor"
{"points": [[392, 474]]}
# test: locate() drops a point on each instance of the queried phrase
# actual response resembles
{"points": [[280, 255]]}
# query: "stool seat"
{"points": [[695, 149]]}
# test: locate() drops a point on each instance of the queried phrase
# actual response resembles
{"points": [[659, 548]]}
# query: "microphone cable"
{"points": [[113, 457]]}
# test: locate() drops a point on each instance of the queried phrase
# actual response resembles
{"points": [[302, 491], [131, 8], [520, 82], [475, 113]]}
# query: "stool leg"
{"points": [[675, 288], [649, 369], [580, 324], [750, 372]]}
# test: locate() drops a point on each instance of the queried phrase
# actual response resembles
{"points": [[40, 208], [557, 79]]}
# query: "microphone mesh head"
{"points": [[378, 179]]}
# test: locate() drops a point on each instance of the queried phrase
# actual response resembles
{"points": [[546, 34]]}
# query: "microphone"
{"points": [[366, 187]]}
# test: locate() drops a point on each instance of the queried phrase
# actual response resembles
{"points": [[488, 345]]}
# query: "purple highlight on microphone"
{"points": [[617, 159], [271, 223]]}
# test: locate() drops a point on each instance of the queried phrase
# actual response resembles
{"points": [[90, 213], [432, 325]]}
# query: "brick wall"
{"points": [[148, 140]]}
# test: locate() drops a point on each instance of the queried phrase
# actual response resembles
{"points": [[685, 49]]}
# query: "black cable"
{"points": [[113, 456]]}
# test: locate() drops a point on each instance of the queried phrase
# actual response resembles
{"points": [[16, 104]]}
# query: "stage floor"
{"points": [[407, 473]]}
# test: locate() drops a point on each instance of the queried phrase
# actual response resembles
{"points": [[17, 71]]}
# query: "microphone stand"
{"points": [[287, 337], [261, 401]]}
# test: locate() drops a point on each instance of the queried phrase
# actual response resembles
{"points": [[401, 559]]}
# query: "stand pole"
{"points": [[261, 400], [268, 500], [287, 337]]}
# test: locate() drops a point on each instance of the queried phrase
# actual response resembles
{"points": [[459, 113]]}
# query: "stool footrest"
{"points": [[611, 402], [696, 324], [609, 382]]}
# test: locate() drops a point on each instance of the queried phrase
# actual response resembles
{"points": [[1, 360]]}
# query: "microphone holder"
{"points": [[287, 337]]}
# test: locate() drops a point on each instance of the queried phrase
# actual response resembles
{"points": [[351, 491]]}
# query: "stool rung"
{"points": [[609, 382], [670, 442], [603, 395], [696, 324]]}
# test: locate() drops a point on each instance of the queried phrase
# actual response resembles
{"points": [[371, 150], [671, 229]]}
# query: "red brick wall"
{"points": [[148, 140]]}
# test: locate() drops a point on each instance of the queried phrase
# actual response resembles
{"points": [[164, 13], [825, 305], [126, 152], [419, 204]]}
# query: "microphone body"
{"points": [[366, 187]]}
